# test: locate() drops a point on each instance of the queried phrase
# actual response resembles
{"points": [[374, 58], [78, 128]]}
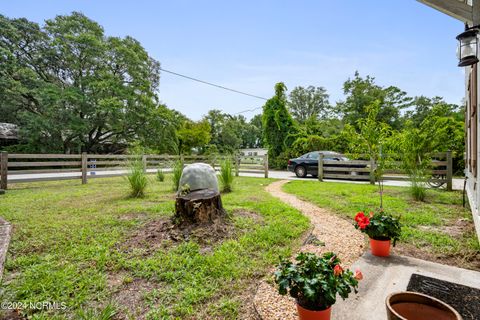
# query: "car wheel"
{"points": [[301, 172]]}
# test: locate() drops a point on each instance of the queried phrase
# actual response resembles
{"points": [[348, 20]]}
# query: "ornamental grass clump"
{"points": [[314, 281], [226, 175], [160, 175], [137, 178], [379, 226], [177, 174]]}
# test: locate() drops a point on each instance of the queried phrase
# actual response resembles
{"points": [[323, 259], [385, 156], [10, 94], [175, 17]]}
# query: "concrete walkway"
{"points": [[383, 276]]}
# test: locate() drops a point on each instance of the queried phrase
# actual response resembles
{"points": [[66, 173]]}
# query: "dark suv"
{"points": [[308, 163]]}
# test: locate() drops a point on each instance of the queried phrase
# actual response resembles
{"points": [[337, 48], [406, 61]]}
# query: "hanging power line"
{"points": [[213, 84], [248, 110]]}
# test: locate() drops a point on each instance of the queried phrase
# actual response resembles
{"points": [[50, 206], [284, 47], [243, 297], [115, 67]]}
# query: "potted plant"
{"points": [[314, 282], [381, 228]]}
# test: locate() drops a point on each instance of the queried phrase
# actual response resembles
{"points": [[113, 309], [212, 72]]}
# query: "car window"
{"points": [[313, 155]]}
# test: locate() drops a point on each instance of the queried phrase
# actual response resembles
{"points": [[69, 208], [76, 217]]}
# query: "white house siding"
{"points": [[472, 187]]}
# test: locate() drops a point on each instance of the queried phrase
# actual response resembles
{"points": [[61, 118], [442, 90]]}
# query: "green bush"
{"points": [[160, 175], [177, 173], [226, 175], [137, 178]]}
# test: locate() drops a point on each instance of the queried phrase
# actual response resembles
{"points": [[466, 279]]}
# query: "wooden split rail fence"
{"points": [[15, 168], [441, 169]]}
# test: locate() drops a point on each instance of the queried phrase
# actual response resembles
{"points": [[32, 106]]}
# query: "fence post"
{"points": [[372, 171], [320, 167], [3, 170], [237, 166], [449, 171], [84, 167], [144, 163], [265, 165]]}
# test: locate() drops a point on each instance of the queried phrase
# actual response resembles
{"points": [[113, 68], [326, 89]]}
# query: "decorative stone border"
{"points": [[5, 231]]}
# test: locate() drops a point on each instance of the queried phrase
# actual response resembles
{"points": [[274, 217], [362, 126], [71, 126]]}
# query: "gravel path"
{"points": [[337, 235]]}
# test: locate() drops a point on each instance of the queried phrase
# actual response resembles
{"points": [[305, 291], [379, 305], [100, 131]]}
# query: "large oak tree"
{"points": [[71, 88]]}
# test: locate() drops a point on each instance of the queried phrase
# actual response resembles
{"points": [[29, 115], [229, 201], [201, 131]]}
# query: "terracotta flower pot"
{"points": [[416, 306], [380, 248], [305, 314]]}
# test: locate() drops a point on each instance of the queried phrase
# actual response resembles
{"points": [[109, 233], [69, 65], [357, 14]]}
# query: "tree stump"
{"points": [[200, 206]]}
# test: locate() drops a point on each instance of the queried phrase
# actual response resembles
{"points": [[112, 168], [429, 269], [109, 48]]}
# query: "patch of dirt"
{"points": [[466, 259], [456, 230], [133, 216], [11, 315], [163, 232], [129, 298]]}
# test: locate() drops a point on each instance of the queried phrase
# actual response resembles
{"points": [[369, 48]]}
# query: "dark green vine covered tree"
{"points": [[278, 125]]}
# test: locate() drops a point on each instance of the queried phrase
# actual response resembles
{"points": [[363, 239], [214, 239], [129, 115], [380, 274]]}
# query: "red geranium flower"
{"points": [[337, 270], [360, 215], [363, 223]]}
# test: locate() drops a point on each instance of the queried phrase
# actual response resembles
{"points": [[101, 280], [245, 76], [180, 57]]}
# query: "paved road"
{"points": [[457, 183]]}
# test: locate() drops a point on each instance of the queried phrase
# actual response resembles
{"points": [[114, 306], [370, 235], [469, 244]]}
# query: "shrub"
{"points": [[177, 174], [226, 175], [160, 175], [137, 178], [315, 281]]}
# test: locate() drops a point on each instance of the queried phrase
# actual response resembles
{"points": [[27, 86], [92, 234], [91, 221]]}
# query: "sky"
{"points": [[251, 45]]}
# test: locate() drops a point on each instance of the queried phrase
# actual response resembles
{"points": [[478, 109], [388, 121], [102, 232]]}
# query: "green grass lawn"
{"points": [[66, 248], [437, 229]]}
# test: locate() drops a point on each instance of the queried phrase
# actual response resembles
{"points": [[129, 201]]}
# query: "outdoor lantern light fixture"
{"points": [[467, 47]]}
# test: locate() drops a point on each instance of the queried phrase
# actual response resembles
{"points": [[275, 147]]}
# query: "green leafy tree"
{"points": [[371, 139], [310, 102], [363, 92], [278, 126], [216, 120], [253, 137], [70, 87], [193, 135]]}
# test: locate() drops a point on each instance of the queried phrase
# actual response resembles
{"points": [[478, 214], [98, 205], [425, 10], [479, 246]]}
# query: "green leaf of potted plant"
{"points": [[382, 228], [314, 282]]}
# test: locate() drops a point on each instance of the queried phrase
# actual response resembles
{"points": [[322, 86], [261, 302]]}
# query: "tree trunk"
{"points": [[201, 206]]}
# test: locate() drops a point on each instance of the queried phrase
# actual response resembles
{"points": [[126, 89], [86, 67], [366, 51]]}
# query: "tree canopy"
{"points": [[71, 88], [309, 103]]}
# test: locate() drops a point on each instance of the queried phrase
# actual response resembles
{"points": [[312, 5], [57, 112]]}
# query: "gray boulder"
{"points": [[198, 176]]}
